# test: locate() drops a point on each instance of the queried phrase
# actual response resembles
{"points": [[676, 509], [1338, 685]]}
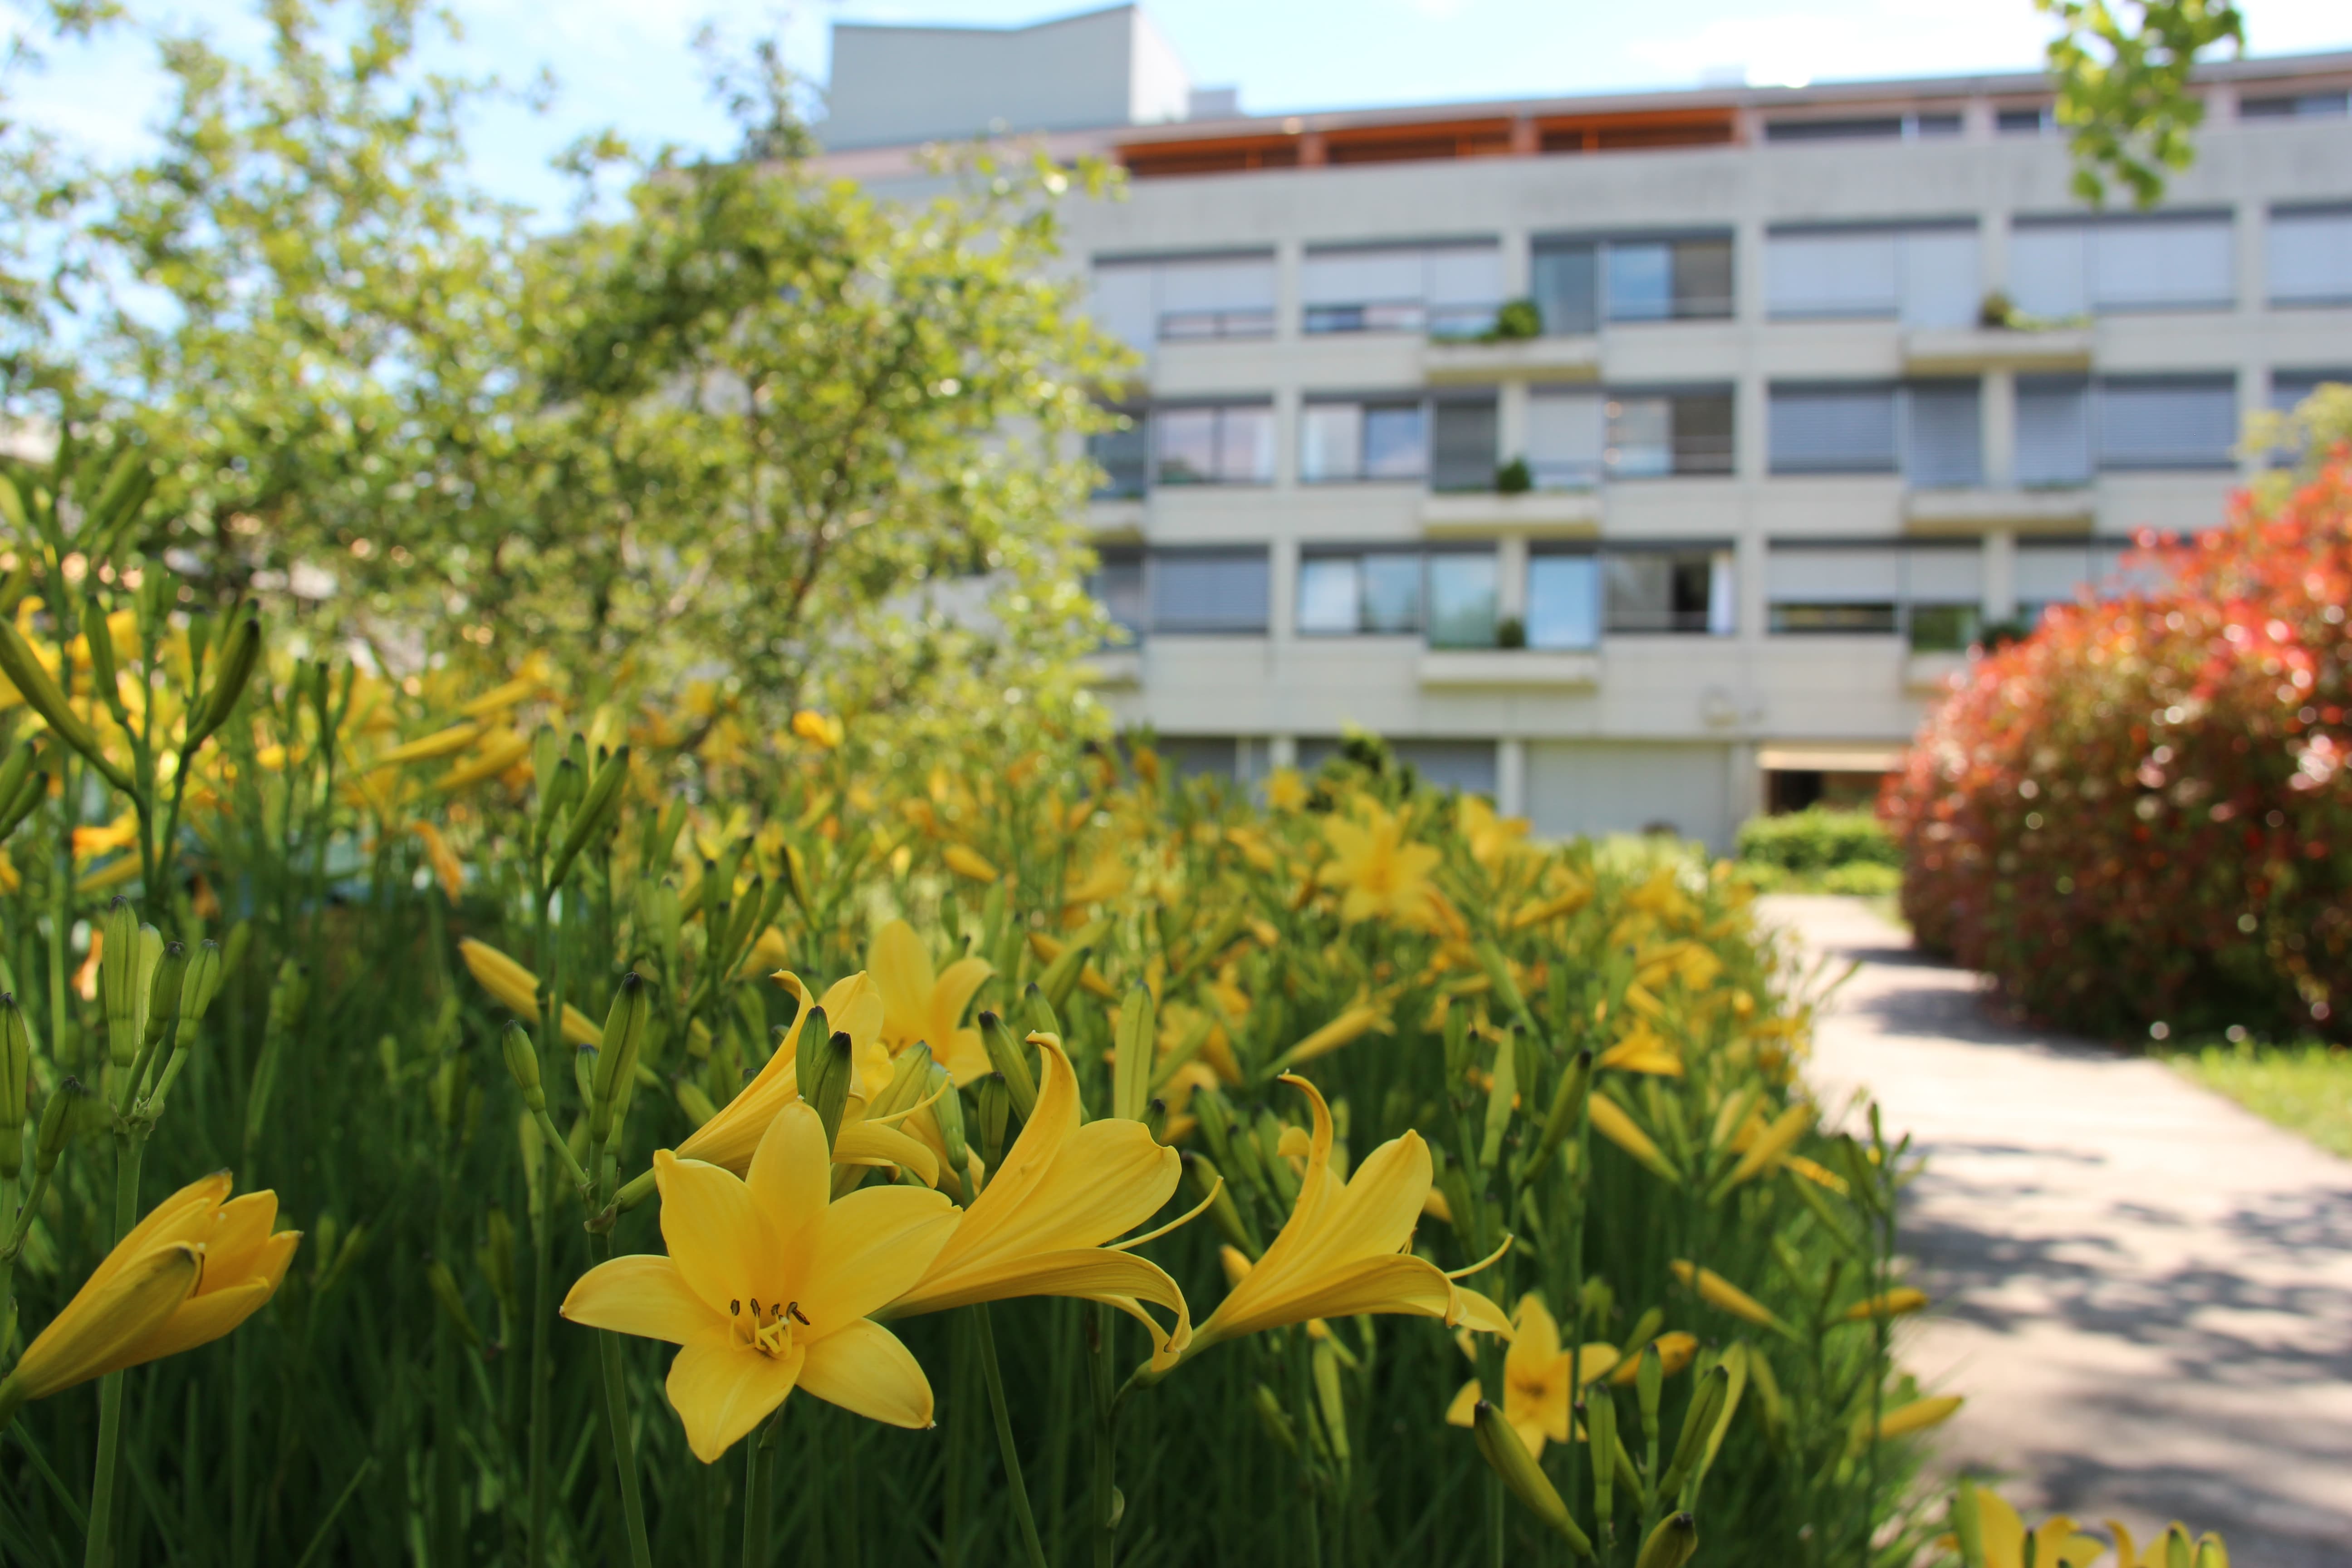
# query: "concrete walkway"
{"points": [[2145, 1291]]}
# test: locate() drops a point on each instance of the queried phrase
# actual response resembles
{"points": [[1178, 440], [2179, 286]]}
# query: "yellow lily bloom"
{"points": [[1285, 790], [1642, 1050], [195, 1269], [1493, 838], [1539, 1379], [1677, 1351], [1380, 873], [852, 1005], [2056, 1543], [1343, 1251], [969, 862], [1040, 1225], [920, 1005], [517, 990], [2205, 1550], [768, 1284]]}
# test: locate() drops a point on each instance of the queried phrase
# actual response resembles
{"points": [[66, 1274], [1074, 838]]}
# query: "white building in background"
{"points": [[1712, 537]]}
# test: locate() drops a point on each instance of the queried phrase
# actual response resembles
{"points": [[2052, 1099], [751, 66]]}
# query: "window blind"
{"points": [[1124, 302], [2167, 423], [1942, 285], [1834, 574], [1833, 430], [1944, 445], [2049, 269], [2053, 430], [1832, 274], [2310, 260], [1565, 436], [1209, 591], [2161, 265]]}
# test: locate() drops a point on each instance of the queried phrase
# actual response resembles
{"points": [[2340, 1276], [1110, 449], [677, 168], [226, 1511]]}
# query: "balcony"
{"points": [[1929, 673], [1518, 668], [1969, 350], [1518, 359], [1116, 518], [1573, 513], [1112, 668], [1975, 508]]}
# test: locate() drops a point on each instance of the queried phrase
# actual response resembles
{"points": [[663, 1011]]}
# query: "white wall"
{"points": [[894, 85]]}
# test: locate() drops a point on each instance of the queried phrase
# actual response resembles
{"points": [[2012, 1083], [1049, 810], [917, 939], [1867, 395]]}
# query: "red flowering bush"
{"points": [[2142, 814]]}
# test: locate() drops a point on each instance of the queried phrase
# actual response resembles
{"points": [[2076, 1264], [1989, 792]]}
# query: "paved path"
{"points": [[2145, 1291]]}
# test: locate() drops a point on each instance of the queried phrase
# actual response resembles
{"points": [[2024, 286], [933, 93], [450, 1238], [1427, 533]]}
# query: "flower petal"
{"points": [[870, 1144], [1375, 1215], [186, 1215], [100, 1325], [729, 1138], [644, 1294], [724, 1390], [198, 1320], [239, 1232], [901, 971], [791, 1178], [953, 993], [713, 1229], [1463, 1411], [863, 1368], [869, 1250]]}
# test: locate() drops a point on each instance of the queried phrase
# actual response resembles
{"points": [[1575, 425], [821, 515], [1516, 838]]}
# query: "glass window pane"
{"points": [[1832, 429], [1941, 284], [1123, 454], [1945, 629], [1245, 445], [1702, 270], [2048, 274], [1641, 282], [1461, 600], [1327, 595], [2053, 431], [1217, 591], [1566, 433], [1330, 442], [1123, 301], [1187, 442], [1117, 584], [1563, 602], [1391, 593], [1567, 289], [2310, 259], [1700, 428], [1396, 441], [1463, 445], [1640, 589], [1466, 285], [1944, 440], [1641, 437], [2161, 266]]}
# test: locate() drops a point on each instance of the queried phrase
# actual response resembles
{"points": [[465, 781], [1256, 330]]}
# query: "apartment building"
{"points": [[1643, 459]]}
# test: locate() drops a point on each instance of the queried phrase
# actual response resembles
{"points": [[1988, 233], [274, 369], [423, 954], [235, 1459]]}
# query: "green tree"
{"points": [[2123, 86]]}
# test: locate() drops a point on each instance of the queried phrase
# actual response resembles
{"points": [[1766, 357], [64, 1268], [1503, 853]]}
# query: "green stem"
{"points": [[758, 1507], [624, 1459], [1106, 1494], [996, 1376], [542, 1291], [98, 1547]]}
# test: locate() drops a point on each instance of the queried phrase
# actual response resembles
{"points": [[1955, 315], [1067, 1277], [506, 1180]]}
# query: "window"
{"points": [[2294, 106], [2067, 426], [2165, 421], [2053, 431], [1865, 127], [1451, 595], [1833, 429], [2056, 572], [1926, 275], [1813, 587], [1168, 298], [1118, 583], [1123, 454], [1383, 439], [1446, 290], [1201, 444], [1566, 436], [1462, 440], [1207, 591], [2071, 266], [1669, 588], [2030, 121], [1579, 283], [1932, 594], [1930, 431], [2311, 256], [1652, 434], [2290, 387], [1564, 600]]}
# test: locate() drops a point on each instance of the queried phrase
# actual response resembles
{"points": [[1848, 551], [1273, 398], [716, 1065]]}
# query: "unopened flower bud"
{"points": [[995, 1109], [57, 1126], [584, 1073], [118, 976], [522, 1063], [625, 1029], [164, 989], [1671, 1544]]}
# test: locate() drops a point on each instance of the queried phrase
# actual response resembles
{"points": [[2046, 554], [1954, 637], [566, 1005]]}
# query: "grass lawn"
{"points": [[2306, 1089]]}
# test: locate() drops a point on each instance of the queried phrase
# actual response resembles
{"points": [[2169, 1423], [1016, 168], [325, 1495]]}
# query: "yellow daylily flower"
{"points": [[969, 862], [1493, 838], [1677, 1351], [1539, 1379], [920, 1005], [2204, 1549], [517, 990], [2056, 1543], [441, 744], [819, 729], [448, 869], [1040, 1225], [852, 1006], [195, 1269], [1381, 872], [770, 1284], [1642, 1050], [1285, 790], [1343, 1251]]}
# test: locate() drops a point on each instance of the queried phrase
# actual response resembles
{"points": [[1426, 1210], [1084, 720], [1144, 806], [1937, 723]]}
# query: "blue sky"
{"points": [[629, 63]]}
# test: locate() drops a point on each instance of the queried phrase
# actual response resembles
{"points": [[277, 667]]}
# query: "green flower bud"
{"points": [[1670, 1545], [1509, 1458], [1005, 1055], [522, 1063], [995, 1108], [118, 981], [57, 1126], [834, 1075], [624, 1030], [164, 989]]}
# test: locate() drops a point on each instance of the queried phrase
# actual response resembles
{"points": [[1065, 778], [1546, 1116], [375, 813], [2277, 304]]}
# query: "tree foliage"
{"points": [[2123, 87]]}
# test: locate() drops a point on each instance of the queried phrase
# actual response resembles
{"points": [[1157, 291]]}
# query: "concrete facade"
{"points": [[1781, 474]]}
